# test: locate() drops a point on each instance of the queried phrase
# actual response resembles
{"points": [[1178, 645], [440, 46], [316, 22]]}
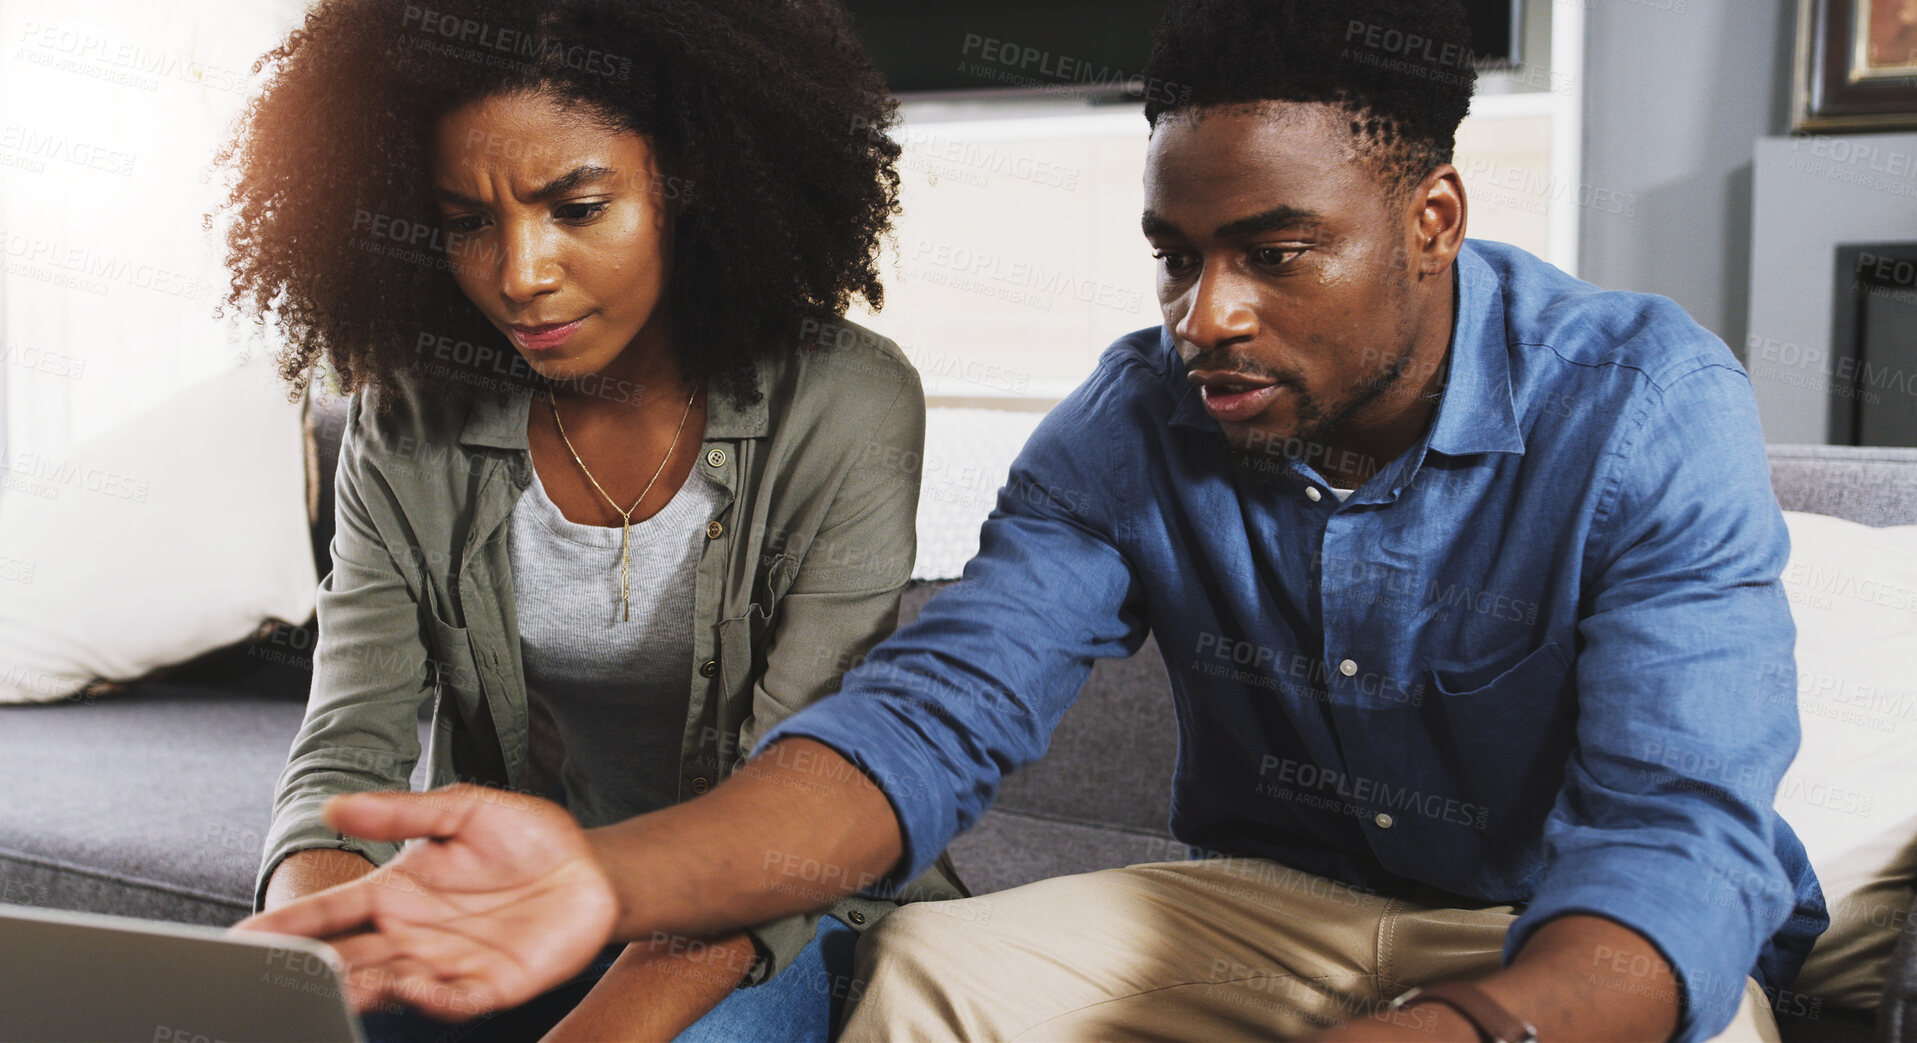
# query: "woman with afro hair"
{"points": [[618, 488]]}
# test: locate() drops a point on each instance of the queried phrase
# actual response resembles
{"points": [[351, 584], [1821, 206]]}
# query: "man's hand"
{"points": [[502, 901], [1578, 977]]}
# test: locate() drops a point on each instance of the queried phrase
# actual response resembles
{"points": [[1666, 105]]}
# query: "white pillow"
{"points": [[968, 456], [1851, 794], [179, 532]]}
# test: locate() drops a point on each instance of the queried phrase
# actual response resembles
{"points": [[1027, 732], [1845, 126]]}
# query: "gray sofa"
{"points": [[154, 802]]}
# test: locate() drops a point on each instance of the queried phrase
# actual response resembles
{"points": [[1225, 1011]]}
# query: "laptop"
{"points": [[68, 976]]}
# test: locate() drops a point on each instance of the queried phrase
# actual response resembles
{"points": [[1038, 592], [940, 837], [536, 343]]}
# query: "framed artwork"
{"points": [[1856, 65]]}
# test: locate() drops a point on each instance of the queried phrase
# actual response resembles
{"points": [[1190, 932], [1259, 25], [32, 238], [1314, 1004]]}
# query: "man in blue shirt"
{"points": [[1466, 576]]}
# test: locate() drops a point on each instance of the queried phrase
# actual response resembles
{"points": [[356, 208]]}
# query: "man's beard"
{"points": [[1265, 460]]}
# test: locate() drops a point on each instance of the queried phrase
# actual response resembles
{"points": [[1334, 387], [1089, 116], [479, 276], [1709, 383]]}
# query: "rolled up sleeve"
{"points": [[942, 710], [1686, 701], [369, 678]]}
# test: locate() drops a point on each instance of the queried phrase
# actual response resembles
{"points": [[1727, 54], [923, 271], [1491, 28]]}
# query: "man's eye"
{"points": [[465, 224], [581, 211], [1173, 262], [1275, 257]]}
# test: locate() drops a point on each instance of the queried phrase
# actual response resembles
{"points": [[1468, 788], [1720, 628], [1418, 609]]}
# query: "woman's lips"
{"points": [[1235, 405], [544, 338]]}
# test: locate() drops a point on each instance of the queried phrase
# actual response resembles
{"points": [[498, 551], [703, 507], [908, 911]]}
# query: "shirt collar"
{"points": [[1476, 414], [499, 419]]}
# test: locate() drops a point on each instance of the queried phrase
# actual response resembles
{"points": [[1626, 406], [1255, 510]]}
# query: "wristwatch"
{"points": [[1493, 1021]]}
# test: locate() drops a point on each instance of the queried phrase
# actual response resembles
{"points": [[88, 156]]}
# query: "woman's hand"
{"points": [[503, 901]]}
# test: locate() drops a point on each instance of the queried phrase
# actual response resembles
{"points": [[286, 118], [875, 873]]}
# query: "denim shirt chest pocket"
{"points": [[1509, 724]]}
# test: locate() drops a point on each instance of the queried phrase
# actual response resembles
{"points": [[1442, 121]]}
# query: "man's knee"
{"points": [[914, 937]]}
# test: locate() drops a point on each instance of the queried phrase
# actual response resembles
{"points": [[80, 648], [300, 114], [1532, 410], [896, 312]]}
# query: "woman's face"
{"points": [[558, 231]]}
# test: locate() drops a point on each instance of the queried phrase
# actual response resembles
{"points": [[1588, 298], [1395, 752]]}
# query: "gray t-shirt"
{"points": [[616, 688]]}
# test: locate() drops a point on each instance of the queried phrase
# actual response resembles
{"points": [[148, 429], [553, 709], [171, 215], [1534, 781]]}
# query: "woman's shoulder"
{"points": [[842, 385], [840, 350], [408, 413]]}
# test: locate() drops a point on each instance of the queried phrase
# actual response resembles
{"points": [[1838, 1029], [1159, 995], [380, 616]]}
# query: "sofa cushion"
{"points": [[1851, 793], [1867, 485], [154, 802]]}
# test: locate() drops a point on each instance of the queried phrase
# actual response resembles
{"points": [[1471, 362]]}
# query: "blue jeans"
{"points": [[801, 1004]]}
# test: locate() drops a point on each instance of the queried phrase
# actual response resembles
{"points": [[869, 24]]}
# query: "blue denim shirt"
{"points": [[1543, 657]]}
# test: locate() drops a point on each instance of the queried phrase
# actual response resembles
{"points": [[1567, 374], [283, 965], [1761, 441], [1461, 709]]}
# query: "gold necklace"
{"points": [[625, 516]]}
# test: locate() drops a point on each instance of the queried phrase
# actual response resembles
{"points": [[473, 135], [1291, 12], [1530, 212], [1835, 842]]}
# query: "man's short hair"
{"points": [[1401, 68]]}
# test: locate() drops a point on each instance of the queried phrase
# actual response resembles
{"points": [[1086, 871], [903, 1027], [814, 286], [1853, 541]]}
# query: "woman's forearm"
{"points": [[792, 830], [315, 869], [657, 988]]}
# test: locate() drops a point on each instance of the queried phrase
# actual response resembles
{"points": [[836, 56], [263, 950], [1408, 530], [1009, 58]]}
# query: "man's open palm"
{"points": [[503, 901]]}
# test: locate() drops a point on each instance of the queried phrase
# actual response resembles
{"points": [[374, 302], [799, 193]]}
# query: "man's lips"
{"points": [[1231, 398]]}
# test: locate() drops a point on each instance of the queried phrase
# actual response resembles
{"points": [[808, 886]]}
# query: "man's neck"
{"points": [[1384, 430]]}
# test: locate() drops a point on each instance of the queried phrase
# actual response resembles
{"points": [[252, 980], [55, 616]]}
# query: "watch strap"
{"points": [[1493, 1020]]}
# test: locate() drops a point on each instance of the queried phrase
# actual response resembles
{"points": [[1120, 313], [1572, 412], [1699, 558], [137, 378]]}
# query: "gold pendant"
{"points": [[625, 575]]}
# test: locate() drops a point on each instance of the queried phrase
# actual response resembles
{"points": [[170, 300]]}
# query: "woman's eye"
{"points": [[580, 211]]}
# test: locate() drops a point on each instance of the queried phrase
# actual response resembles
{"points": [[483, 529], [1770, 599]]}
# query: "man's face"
{"points": [[1286, 271]]}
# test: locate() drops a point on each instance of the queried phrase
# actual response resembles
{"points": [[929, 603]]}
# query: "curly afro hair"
{"points": [[766, 114], [1401, 68]]}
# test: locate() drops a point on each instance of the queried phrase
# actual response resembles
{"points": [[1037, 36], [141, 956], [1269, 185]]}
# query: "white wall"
{"points": [[1675, 94]]}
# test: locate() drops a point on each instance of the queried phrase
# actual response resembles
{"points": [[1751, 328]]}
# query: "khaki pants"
{"points": [[1214, 949]]}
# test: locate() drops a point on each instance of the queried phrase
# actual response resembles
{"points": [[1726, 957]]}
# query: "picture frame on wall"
{"points": [[1856, 65]]}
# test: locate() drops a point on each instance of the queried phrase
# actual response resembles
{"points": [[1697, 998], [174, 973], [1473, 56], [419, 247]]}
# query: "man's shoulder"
{"points": [[1551, 315], [1134, 373]]}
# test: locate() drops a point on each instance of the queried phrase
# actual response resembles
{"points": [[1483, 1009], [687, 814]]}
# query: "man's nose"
{"points": [[1219, 310]]}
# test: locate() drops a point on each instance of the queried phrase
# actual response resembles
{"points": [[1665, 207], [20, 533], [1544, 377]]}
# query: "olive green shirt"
{"points": [[799, 576]]}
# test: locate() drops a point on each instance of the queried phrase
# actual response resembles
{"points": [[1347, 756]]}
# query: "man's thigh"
{"points": [[1208, 949], [1755, 1022]]}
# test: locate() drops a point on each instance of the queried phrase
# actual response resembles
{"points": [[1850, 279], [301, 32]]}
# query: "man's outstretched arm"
{"points": [[509, 896], [513, 897], [793, 829]]}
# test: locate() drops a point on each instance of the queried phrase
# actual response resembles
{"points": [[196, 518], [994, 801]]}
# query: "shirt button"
{"points": [[716, 458], [1383, 820], [856, 917], [1312, 493], [713, 530], [708, 668], [1348, 668], [700, 784]]}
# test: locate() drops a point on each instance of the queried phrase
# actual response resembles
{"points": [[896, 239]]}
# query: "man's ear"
{"points": [[1438, 220]]}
